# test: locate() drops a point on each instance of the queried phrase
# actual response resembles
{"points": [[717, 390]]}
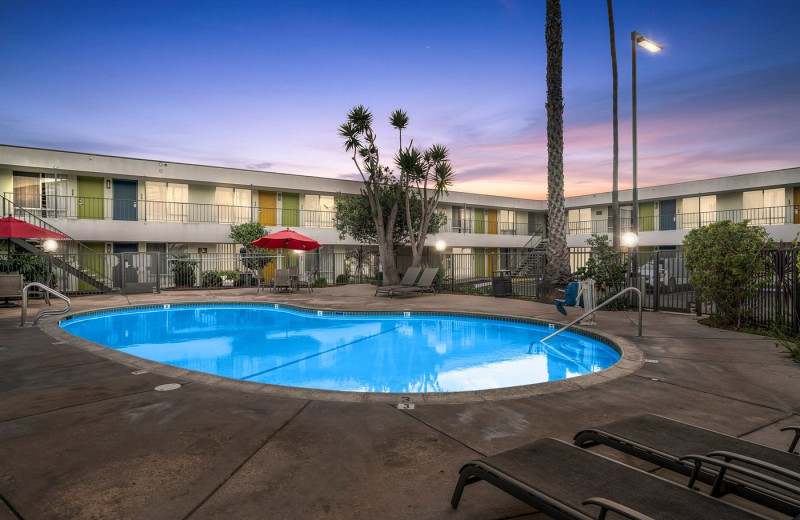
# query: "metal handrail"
{"points": [[592, 311], [45, 312]]}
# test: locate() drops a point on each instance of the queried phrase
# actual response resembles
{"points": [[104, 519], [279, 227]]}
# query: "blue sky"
{"points": [[265, 85]]}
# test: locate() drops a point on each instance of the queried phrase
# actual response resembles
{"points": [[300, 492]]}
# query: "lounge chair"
{"points": [[282, 281], [408, 280], [669, 444], [10, 288], [568, 483], [424, 284]]}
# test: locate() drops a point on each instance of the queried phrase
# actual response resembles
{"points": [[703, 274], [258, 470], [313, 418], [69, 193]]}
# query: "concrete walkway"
{"points": [[83, 436]]}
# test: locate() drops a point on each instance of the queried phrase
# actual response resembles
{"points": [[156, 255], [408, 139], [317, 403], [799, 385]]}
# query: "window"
{"points": [[43, 194], [764, 206], [318, 211], [234, 205], [698, 211], [167, 201], [508, 221], [580, 221]]}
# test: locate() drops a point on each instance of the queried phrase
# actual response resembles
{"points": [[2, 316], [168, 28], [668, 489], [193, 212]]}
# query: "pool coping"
{"points": [[631, 359]]}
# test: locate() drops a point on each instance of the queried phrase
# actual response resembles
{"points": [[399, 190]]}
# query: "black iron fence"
{"points": [[661, 276]]}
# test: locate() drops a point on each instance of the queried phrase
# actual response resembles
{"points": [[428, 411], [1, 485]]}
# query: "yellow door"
{"points": [[267, 204], [492, 217]]}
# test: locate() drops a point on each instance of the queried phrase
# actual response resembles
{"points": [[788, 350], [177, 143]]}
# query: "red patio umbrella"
{"points": [[286, 239], [15, 228]]}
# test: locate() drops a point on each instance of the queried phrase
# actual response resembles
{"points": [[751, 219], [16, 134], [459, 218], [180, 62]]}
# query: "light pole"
{"points": [[637, 39]]}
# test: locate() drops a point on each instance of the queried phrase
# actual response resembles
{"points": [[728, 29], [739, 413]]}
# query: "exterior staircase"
{"points": [[76, 259], [532, 262]]}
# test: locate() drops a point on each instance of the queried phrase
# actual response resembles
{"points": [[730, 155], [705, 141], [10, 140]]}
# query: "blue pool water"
{"points": [[373, 353]]}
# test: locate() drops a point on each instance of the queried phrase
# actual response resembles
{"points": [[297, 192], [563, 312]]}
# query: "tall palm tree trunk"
{"points": [[557, 270], [615, 241]]}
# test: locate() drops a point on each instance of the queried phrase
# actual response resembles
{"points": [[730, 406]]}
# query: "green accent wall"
{"points": [[480, 262], [647, 216], [94, 264], [90, 197], [480, 224], [291, 209]]}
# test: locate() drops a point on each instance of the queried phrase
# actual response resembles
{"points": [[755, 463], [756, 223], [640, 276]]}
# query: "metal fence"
{"points": [[661, 276]]}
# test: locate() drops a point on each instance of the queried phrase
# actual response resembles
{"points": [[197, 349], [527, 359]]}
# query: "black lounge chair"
{"points": [[424, 284], [568, 483], [409, 279], [731, 465]]}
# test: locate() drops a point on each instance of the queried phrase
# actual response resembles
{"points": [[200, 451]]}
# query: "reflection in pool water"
{"points": [[373, 353]]}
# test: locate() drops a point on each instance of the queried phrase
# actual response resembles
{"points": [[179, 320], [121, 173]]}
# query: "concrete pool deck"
{"points": [[84, 436]]}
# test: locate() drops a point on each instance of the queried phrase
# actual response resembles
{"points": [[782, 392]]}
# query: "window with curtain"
{"points": [[44, 194], [167, 201], [233, 205]]}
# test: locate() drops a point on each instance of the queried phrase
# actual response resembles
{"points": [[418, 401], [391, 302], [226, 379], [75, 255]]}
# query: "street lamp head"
{"points": [[441, 245], [630, 239], [646, 43], [49, 245]]}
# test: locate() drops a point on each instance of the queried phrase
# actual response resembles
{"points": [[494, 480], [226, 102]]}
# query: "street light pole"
{"points": [[637, 39]]}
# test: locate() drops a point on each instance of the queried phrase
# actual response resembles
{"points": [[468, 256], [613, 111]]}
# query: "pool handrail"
{"points": [[592, 311], [45, 312]]}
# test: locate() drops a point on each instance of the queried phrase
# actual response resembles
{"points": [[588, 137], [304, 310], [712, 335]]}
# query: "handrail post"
{"points": [[46, 312], [592, 311]]}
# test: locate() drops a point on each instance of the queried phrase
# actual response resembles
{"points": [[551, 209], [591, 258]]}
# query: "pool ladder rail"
{"points": [[592, 311], [45, 312]]}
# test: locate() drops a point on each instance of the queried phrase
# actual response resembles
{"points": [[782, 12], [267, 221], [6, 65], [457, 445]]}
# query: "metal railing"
{"points": [[766, 216], [45, 312], [592, 311]]}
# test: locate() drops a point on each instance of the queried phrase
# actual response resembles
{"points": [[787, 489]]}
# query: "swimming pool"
{"points": [[346, 351]]}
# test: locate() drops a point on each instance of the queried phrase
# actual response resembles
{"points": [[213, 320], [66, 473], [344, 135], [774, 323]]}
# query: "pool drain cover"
{"points": [[167, 387]]}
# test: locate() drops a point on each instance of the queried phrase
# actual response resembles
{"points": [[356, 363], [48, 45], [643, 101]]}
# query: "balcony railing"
{"points": [[72, 207], [769, 216]]}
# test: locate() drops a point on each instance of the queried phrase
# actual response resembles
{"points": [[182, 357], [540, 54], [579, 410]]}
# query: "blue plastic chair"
{"points": [[570, 295]]}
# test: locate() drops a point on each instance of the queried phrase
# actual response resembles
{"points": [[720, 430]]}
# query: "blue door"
{"points": [[666, 215], [124, 200]]}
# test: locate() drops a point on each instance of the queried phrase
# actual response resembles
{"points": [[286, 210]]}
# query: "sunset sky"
{"points": [[264, 85]]}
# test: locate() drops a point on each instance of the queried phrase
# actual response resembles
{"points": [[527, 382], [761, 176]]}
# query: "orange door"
{"points": [[796, 208], [267, 208]]}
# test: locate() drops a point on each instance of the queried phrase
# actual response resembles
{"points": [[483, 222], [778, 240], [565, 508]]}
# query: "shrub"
{"points": [[341, 279], [606, 268], [320, 282], [212, 279], [231, 276], [725, 260], [183, 271]]}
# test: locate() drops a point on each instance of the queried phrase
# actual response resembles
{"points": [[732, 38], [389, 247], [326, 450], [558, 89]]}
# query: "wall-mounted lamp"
{"points": [[279, 196], [108, 248], [108, 184]]}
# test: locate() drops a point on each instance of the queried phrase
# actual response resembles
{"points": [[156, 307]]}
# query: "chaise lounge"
{"points": [[424, 284], [568, 483], [731, 465], [408, 280]]}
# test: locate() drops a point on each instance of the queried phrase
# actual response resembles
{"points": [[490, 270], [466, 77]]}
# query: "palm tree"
{"points": [[557, 270], [399, 120], [615, 184]]}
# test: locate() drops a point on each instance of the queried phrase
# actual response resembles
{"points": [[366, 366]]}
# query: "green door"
{"points": [[291, 209], [647, 216], [480, 262], [480, 226], [90, 197]]}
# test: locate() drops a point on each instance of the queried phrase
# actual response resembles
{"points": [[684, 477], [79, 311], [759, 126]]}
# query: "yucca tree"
{"points": [[427, 176], [557, 270], [379, 184]]}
